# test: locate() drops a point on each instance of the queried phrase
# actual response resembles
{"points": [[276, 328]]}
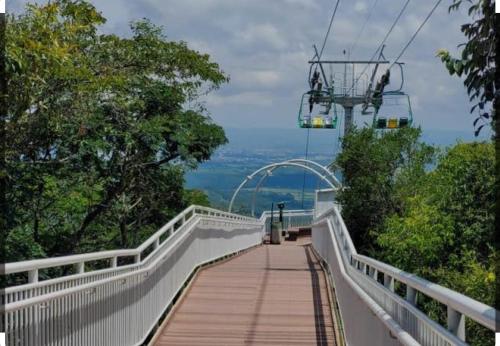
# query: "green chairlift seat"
{"points": [[387, 105], [323, 120]]}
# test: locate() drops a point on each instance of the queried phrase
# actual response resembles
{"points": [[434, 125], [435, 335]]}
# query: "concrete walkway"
{"points": [[270, 295]]}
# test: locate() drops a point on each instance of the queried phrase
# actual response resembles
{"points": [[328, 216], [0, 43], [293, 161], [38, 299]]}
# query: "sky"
{"points": [[264, 46]]}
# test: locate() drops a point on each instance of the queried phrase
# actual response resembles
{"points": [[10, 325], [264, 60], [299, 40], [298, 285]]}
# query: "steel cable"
{"points": [[416, 33], [351, 50], [403, 9]]}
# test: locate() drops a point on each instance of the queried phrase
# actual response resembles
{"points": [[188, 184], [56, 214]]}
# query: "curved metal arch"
{"points": [[257, 188], [323, 168], [275, 165], [268, 173]]}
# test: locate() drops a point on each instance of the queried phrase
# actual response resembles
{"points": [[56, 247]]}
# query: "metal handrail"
{"points": [[33, 266], [9, 307], [473, 309], [386, 319], [288, 212], [86, 308], [458, 305]]}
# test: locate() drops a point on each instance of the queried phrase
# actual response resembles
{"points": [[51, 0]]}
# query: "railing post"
{"points": [[156, 243], [411, 295], [114, 262], [80, 267], [456, 323], [362, 267], [389, 282], [137, 258], [33, 276], [373, 273]]}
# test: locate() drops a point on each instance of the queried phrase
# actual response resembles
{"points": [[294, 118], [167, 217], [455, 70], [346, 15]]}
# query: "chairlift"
{"points": [[325, 119], [392, 111]]}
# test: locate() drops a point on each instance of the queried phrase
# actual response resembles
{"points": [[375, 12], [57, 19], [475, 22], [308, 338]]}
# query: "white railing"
{"points": [[120, 305], [377, 281], [291, 218]]}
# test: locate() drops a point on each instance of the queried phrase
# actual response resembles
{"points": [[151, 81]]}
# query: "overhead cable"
{"points": [[416, 33], [351, 50], [329, 29], [403, 9]]}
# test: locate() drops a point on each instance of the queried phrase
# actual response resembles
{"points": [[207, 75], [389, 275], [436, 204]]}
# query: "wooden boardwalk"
{"points": [[270, 295]]}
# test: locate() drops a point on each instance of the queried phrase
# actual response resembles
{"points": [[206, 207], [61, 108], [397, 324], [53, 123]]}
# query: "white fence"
{"points": [[291, 218], [372, 313], [120, 305]]}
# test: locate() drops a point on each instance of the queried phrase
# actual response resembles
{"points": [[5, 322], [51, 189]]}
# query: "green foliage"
{"points": [[452, 213], [100, 128], [437, 223], [418, 239], [462, 186], [370, 164], [476, 280], [21, 244], [197, 197], [477, 60]]}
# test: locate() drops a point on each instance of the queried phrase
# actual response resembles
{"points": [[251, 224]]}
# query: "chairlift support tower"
{"points": [[347, 97]]}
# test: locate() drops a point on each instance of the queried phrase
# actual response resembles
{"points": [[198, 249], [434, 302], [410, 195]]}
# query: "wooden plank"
{"points": [[271, 295]]}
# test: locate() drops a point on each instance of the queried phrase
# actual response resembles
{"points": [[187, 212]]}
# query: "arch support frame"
{"points": [[328, 177]]}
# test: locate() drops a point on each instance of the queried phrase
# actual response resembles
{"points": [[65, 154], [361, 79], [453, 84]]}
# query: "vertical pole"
{"points": [[456, 323], [33, 276], [411, 295], [345, 81], [353, 71], [80, 267], [348, 119], [389, 282], [271, 224]]}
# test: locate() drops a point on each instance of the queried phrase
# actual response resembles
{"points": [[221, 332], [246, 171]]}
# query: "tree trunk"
{"points": [[123, 233]]}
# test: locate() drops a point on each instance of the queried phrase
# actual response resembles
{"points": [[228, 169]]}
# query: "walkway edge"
{"points": [[170, 310], [332, 297]]}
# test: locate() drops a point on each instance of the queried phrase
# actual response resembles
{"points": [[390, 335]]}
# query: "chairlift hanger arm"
{"points": [[310, 71], [325, 80], [402, 78], [368, 95]]}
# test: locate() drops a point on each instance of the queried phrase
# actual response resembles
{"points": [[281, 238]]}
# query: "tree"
{"points": [[477, 61], [99, 130], [370, 163], [451, 212]]}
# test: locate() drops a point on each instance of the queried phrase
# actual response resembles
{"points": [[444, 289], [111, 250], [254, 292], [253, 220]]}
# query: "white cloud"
{"points": [[256, 78], [264, 45], [262, 34], [305, 4], [360, 6], [252, 98]]}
